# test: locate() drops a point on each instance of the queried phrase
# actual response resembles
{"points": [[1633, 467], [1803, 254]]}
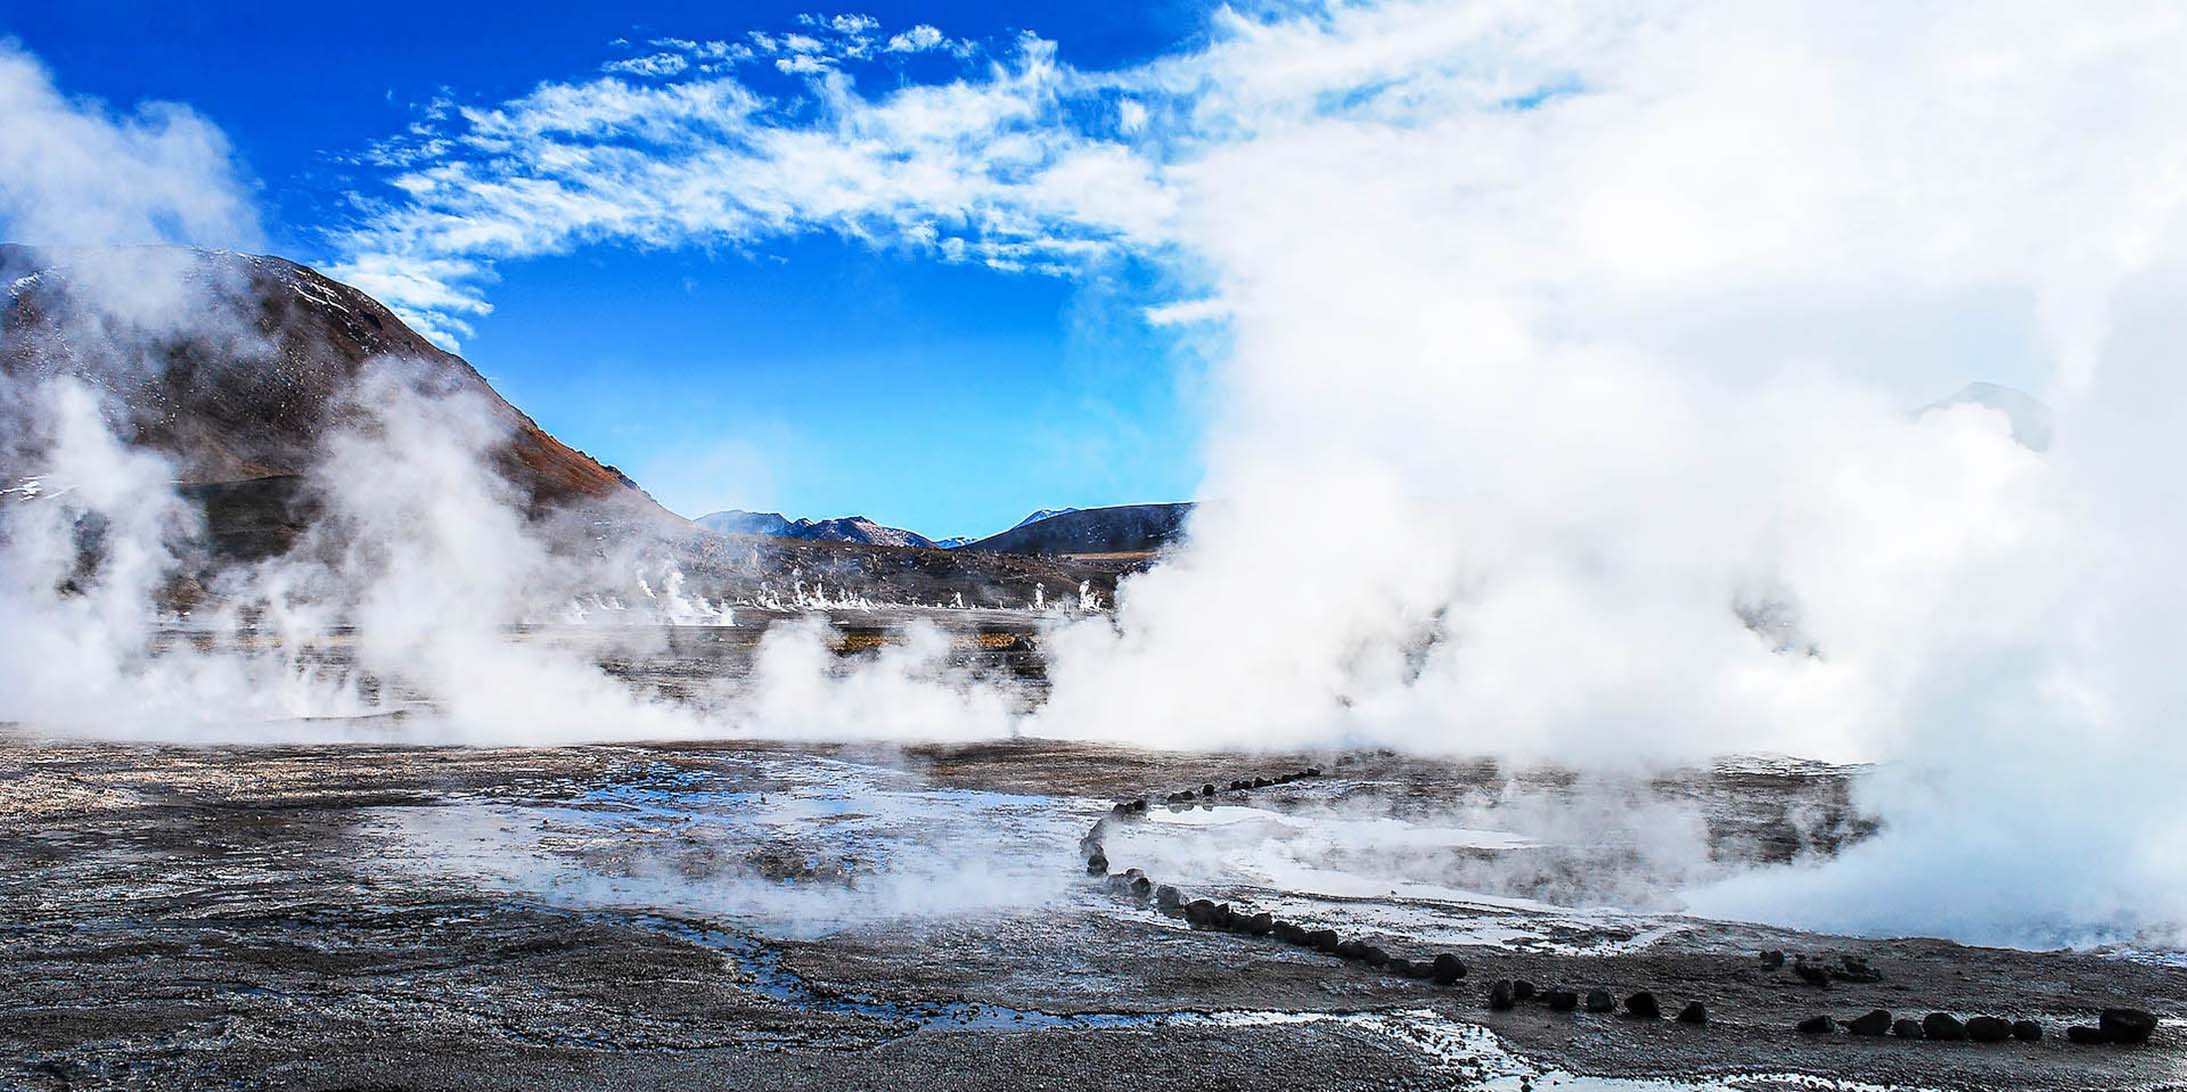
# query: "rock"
{"points": [[1313, 771], [1142, 887], [1906, 1028], [1773, 959], [1943, 1026], [1563, 1000], [1169, 897], [1876, 1022], [1522, 990], [1694, 1013], [2027, 1031], [2126, 1025], [1399, 965], [1351, 949], [2085, 1035], [1643, 1006], [1260, 924], [1816, 1025], [1989, 1029], [1290, 932], [1324, 939], [1207, 790], [1446, 969], [1260, 782], [1373, 956], [1240, 786], [1120, 809], [1224, 918], [1200, 912], [1499, 996], [1600, 1001], [1856, 969], [1139, 806], [1811, 974], [1097, 865]]}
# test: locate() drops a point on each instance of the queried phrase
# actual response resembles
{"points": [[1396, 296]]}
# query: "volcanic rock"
{"points": [[1811, 974], [1773, 959], [1499, 996], [1816, 1025], [1447, 969], [1989, 1029], [1906, 1028], [1563, 1000], [2027, 1031], [1876, 1022], [1943, 1026], [2085, 1035], [1097, 865], [1600, 1001], [1694, 1013], [1643, 1006], [2126, 1025], [1522, 990]]}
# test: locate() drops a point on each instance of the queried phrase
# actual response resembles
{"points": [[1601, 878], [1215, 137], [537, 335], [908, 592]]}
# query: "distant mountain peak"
{"points": [[840, 529], [1045, 513]]}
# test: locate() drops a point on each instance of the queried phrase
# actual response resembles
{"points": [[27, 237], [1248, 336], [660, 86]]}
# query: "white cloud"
{"points": [[918, 39], [654, 65]]}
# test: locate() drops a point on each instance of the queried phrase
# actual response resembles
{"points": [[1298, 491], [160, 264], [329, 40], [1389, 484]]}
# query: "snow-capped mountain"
{"points": [[841, 529]]}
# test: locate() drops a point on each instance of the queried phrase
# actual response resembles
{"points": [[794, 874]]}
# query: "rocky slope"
{"points": [[1122, 529]]}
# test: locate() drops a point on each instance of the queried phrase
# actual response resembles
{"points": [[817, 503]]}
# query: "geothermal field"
{"points": [[1208, 545]]}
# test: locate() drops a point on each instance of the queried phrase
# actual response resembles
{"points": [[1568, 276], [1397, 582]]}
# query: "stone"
{"points": [[1446, 969], [1142, 887], [1260, 924], [1351, 949], [1563, 1000], [1260, 782], [1773, 959], [1694, 1013], [1097, 865], [1811, 974], [1399, 965], [2027, 1031], [1313, 771], [1207, 790], [1816, 1025], [1499, 996], [1877, 1022], [1325, 940], [2085, 1035], [1989, 1029], [1906, 1028], [1200, 912], [1290, 932], [1643, 1006], [2126, 1025], [1169, 897], [1373, 956], [1856, 969], [1522, 990], [1943, 1026], [1600, 1001]]}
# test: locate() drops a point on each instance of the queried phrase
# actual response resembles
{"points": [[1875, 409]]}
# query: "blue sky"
{"points": [[794, 369]]}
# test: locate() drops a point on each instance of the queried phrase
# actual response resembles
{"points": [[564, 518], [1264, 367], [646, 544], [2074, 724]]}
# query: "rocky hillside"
{"points": [[237, 365], [1122, 529]]}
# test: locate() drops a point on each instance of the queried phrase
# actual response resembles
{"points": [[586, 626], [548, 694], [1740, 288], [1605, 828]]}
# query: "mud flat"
{"points": [[746, 915]]}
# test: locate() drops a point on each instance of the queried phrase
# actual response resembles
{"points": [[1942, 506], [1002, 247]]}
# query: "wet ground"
{"points": [[747, 915]]}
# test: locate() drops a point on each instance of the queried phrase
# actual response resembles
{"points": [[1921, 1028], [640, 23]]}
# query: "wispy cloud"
{"points": [[994, 166]]}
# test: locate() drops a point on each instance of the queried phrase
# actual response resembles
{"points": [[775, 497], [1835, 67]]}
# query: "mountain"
{"points": [[841, 529], [954, 541], [237, 365], [1124, 529], [1041, 515]]}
